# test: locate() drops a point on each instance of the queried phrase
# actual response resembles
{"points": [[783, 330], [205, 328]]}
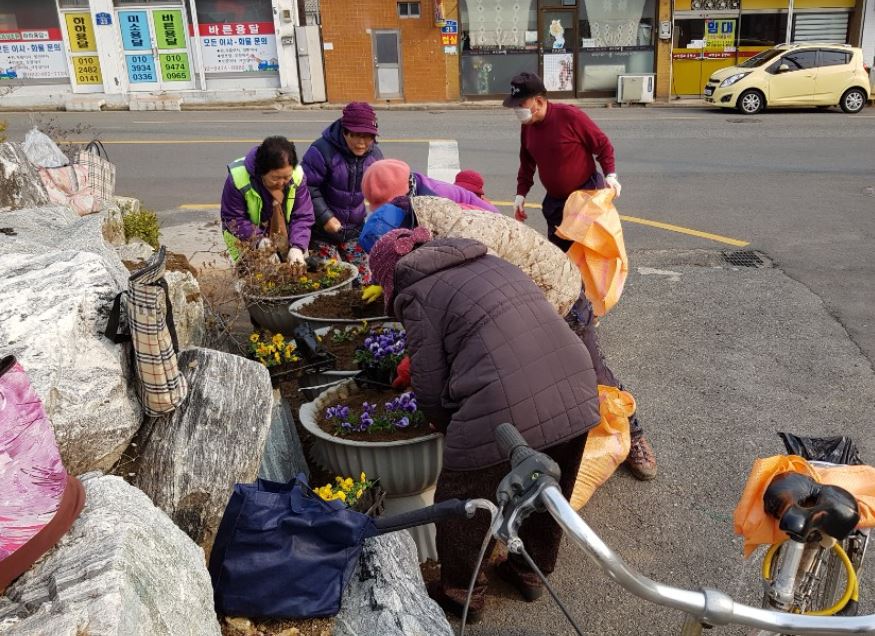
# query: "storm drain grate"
{"points": [[743, 258]]}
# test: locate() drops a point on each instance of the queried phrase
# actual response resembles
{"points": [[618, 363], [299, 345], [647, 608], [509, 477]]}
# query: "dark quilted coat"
{"points": [[486, 347], [336, 186]]}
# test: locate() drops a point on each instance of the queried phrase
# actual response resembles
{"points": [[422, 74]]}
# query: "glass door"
{"points": [[156, 49], [558, 35]]}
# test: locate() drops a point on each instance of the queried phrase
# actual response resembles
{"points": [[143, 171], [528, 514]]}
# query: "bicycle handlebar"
{"points": [[710, 606]]}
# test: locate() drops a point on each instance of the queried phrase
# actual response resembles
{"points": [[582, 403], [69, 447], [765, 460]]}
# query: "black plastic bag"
{"points": [[837, 450]]}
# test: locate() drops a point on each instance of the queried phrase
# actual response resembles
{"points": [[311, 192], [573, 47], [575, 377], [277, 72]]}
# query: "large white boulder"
{"points": [[53, 311], [123, 569]]}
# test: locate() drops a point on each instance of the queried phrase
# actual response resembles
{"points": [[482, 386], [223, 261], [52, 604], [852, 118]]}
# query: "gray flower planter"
{"points": [[317, 323], [272, 312], [408, 469]]}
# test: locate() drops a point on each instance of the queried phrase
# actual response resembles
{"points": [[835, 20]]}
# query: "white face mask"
{"points": [[523, 114]]}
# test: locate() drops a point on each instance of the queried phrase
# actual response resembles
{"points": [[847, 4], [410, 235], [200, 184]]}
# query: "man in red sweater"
{"points": [[563, 144]]}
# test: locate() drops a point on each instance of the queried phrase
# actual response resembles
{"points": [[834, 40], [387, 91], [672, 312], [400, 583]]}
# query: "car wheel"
{"points": [[853, 100], [750, 102]]}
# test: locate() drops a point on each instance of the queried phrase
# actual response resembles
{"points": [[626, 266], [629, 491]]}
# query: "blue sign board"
{"points": [[450, 26], [141, 68], [102, 19], [134, 26]]}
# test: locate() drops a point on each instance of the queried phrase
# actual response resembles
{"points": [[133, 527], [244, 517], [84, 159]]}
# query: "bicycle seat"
{"points": [[806, 510]]}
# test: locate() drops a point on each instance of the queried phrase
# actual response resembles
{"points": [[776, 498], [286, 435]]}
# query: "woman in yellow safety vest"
{"points": [[266, 202]]}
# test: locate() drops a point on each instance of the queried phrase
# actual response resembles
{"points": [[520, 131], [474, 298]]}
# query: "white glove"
{"points": [[614, 183], [265, 244], [519, 208], [296, 257]]}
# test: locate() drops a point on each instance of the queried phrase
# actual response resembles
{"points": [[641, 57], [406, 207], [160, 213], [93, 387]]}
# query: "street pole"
{"points": [[789, 35]]}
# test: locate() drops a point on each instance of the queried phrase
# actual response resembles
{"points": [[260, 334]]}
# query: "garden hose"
{"points": [[852, 590]]}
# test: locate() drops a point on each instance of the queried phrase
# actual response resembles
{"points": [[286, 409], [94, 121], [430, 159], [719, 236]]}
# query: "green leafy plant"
{"points": [[142, 225]]}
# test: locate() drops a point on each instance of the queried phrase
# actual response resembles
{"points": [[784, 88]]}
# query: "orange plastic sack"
{"points": [[758, 528], [607, 445], [591, 221]]}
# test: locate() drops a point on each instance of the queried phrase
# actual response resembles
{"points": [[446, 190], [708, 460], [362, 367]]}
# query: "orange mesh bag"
{"points": [[758, 528], [599, 251], [607, 445]]}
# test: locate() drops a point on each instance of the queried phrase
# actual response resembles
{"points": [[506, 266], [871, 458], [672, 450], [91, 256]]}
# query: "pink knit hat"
{"points": [[386, 254], [385, 180]]}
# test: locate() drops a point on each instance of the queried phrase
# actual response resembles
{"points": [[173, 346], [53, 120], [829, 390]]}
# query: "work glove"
{"points": [[333, 226], [371, 293], [402, 374], [519, 208], [614, 183], [296, 257]]}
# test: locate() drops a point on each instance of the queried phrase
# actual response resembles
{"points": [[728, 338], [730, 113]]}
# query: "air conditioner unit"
{"points": [[635, 89]]}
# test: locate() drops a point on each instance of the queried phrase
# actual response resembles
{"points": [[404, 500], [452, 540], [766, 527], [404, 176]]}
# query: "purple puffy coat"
{"points": [[336, 186]]}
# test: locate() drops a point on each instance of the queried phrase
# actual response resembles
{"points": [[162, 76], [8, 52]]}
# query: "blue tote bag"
{"points": [[283, 552]]}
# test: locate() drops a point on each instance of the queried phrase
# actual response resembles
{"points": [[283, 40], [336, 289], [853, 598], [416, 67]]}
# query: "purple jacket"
{"points": [[235, 217], [428, 187], [336, 186]]}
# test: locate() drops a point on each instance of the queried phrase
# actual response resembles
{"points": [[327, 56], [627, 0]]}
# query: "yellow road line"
{"points": [[657, 224], [158, 142], [631, 219]]}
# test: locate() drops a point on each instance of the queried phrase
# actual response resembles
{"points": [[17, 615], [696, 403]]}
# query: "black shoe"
{"points": [[451, 606], [530, 591]]}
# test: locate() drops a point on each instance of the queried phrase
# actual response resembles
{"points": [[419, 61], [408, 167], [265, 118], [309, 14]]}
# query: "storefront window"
{"points": [[494, 25], [616, 38], [762, 29], [491, 74], [237, 37], [606, 24], [31, 45], [598, 70]]}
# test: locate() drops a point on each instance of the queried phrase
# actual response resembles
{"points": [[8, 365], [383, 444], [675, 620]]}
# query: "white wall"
{"points": [[869, 33]]}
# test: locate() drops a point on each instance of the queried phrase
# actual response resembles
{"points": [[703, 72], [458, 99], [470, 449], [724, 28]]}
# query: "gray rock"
{"points": [[127, 205], [57, 228], [192, 458], [113, 226], [122, 569], [135, 250], [387, 595], [283, 454], [53, 311], [188, 308], [20, 183]]}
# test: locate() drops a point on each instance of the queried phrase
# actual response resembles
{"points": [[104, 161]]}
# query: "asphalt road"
{"points": [[719, 358], [799, 186]]}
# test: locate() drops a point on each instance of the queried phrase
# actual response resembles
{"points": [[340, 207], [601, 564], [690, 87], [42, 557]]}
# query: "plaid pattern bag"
{"points": [[150, 318], [101, 173]]}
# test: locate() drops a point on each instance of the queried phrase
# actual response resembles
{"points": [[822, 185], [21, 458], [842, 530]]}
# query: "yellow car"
{"points": [[793, 75]]}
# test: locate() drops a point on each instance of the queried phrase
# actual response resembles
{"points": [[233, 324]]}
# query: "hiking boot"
{"points": [[641, 460], [530, 590], [452, 606]]}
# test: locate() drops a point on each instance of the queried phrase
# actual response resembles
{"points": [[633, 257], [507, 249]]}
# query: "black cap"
{"points": [[522, 87]]}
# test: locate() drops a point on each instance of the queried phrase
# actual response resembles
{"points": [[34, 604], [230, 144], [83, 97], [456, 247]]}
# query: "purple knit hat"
{"points": [[386, 254], [359, 117]]}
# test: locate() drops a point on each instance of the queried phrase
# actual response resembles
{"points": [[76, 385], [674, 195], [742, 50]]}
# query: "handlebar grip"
{"points": [[422, 516], [512, 444]]}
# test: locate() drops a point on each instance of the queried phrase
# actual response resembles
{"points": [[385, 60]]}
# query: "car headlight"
{"points": [[729, 81]]}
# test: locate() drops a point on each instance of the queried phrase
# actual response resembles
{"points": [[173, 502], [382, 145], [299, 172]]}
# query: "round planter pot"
{"points": [[272, 312], [326, 322], [347, 373], [405, 467]]}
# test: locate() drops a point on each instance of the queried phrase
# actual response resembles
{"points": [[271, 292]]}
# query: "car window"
{"points": [[760, 58], [797, 61], [831, 57]]}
